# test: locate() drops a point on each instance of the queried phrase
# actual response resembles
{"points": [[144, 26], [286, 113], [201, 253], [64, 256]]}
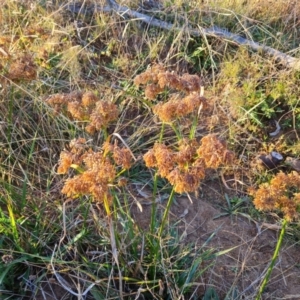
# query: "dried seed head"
{"points": [[165, 111], [183, 181], [122, 157], [150, 159], [214, 151], [152, 90], [104, 113], [22, 68], [282, 193], [89, 99], [190, 83]]}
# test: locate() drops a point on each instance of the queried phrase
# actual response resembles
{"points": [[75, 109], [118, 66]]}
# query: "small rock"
{"points": [[270, 161], [294, 163]]}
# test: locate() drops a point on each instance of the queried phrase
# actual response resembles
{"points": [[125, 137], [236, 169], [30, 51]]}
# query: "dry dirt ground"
{"points": [[253, 246]]}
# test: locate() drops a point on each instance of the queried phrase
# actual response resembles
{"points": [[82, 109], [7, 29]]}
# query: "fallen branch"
{"points": [[215, 31]]}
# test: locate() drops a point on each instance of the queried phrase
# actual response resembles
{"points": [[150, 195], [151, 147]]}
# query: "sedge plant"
{"points": [[44, 53], [280, 194], [184, 167], [99, 174]]}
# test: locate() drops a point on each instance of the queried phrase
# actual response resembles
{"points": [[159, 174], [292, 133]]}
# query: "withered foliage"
{"points": [[214, 151], [157, 79], [22, 68], [157, 75], [177, 108], [281, 193], [97, 170], [185, 168], [85, 107]]}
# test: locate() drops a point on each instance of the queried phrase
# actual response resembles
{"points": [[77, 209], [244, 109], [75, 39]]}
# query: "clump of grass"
{"points": [[57, 231], [184, 169], [98, 171]]}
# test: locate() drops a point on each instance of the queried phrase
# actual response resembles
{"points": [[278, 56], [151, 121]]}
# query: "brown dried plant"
{"points": [[21, 68], [97, 170], [4, 44], [281, 193], [214, 151], [85, 107], [176, 108], [157, 79], [185, 168]]}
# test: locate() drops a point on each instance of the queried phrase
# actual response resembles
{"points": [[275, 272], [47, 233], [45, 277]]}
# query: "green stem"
{"points": [[193, 128], [156, 240], [153, 208], [276, 252], [105, 133], [161, 135], [179, 137], [166, 213]]}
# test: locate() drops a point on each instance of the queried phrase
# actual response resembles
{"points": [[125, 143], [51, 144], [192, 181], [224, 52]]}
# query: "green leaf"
{"points": [[210, 294]]}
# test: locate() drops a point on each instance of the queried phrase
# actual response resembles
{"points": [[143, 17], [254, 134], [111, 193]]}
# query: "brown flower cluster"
{"points": [[97, 170], [281, 193], [121, 156], [85, 107], [158, 78], [104, 113], [214, 151], [4, 44], [74, 155], [22, 68], [185, 168], [177, 108]]}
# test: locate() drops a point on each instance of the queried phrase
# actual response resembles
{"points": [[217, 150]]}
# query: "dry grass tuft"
{"points": [[85, 65]]}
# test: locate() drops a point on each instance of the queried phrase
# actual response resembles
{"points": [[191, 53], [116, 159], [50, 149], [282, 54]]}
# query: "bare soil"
{"points": [[252, 245]]}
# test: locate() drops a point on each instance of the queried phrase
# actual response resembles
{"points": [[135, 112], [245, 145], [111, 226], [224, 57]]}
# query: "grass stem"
{"points": [[166, 213], [153, 208], [275, 255]]}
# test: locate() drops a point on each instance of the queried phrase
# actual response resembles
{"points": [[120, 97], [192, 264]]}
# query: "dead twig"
{"points": [[215, 31]]}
